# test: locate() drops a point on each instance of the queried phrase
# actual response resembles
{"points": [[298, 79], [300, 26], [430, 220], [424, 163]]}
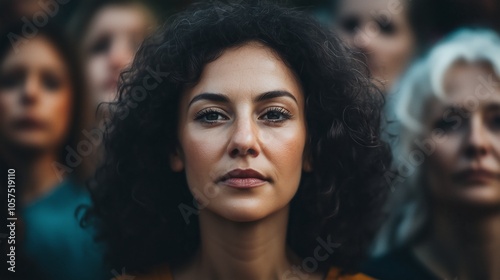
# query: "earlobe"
{"points": [[176, 162]]}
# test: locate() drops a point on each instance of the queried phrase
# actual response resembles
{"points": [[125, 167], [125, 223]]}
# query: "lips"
{"points": [[243, 179], [476, 176], [29, 123], [111, 84]]}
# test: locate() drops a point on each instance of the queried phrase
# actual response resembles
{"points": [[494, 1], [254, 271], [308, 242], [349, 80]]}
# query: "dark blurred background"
{"points": [[86, 44]]}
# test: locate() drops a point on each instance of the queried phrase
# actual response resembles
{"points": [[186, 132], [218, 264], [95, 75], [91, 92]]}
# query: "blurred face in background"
{"points": [[381, 30], [35, 97], [26, 7], [111, 40], [465, 168]]}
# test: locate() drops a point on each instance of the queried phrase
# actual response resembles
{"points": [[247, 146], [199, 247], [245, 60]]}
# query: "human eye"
{"points": [[349, 24], [12, 79], [448, 125], [101, 45], [387, 28], [51, 81], [495, 121], [451, 121], [211, 116], [276, 115]]}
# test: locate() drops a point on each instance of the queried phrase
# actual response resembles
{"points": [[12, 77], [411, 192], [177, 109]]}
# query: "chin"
{"points": [[241, 211], [109, 95], [480, 196], [28, 149], [29, 143]]}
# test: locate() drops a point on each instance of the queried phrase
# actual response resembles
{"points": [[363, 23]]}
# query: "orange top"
{"points": [[165, 274], [334, 274]]}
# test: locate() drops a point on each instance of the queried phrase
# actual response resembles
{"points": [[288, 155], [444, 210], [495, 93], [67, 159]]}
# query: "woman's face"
{"points": [[35, 97], [381, 30], [242, 134], [465, 167], [110, 43]]}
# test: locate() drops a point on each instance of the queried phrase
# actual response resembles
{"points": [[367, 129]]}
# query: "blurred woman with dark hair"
{"points": [[42, 115], [244, 145]]}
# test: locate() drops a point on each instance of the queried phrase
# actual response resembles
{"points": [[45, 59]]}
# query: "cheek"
{"points": [[443, 162], [395, 52], [97, 70], [284, 149], [347, 38], [402, 49], [58, 111], [10, 108], [444, 156], [202, 151], [496, 146], [397, 48], [284, 145]]}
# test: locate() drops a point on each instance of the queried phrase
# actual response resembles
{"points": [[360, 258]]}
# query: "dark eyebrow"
{"points": [[274, 94], [217, 97]]}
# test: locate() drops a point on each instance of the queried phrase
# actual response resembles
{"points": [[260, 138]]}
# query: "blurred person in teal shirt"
{"points": [[42, 122]]}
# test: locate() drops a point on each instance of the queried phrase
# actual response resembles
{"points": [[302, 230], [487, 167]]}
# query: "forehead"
{"points": [[116, 18], [465, 81], [248, 70], [371, 7], [38, 52]]}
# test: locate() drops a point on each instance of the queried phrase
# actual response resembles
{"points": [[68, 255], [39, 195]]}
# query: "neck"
{"points": [[34, 174], [249, 250], [463, 243]]}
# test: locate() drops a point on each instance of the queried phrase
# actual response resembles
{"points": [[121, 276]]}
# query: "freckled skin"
{"points": [[243, 135]]}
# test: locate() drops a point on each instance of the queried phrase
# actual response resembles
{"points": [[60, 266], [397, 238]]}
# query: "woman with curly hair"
{"points": [[244, 145]]}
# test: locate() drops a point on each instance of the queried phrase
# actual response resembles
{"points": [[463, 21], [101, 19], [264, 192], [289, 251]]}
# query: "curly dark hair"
{"points": [[135, 192]]}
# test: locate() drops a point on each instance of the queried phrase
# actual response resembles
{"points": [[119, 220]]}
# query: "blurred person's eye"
{"points": [[445, 125], [349, 24], [387, 28], [496, 122], [100, 46], [12, 79], [450, 122], [493, 119], [51, 82]]}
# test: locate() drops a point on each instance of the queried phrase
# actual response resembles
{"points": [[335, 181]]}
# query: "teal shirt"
{"points": [[54, 240]]}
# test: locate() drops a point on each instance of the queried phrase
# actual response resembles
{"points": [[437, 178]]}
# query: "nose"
{"points": [[244, 139], [364, 35], [477, 143], [120, 54], [30, 91], [359, 40]]}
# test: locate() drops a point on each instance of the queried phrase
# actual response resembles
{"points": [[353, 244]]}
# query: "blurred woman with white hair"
{"points": [[444, 218]]}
